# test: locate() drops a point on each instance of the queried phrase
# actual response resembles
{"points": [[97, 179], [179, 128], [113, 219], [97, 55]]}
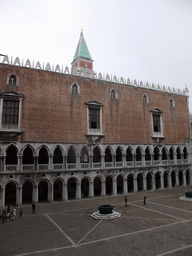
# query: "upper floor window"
{"points": [[12, 79], [94, 117], [157, 122], [113, 94], [75, 89], [145, 98], [10, 110], [172, 103]]}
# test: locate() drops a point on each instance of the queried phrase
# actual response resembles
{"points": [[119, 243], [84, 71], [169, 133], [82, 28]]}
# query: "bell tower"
{"points": [[82, 59]]}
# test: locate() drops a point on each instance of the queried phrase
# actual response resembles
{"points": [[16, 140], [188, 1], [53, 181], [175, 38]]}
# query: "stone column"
{"points": [[64, 192], [91, 190], [19, 164], [50, 162], [65, 162], [50, 193], [177, 178], [144, 183], [91, 161], [134, 159], [153, 182], [103, 188], [114, 187], [18, 195], [78, 191], [78, 162], [3, 168], [36, 163], [143, 159], [184, 179], [135, 184], [124, 159], [175, 157], [2, 197], [102, 160], [114, 159], [162, 181], [125, 186], [35, 194]]}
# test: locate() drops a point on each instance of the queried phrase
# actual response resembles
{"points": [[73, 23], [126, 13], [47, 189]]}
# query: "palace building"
{"points": [[78, 134]]}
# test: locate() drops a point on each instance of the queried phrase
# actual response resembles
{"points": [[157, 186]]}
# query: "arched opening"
{"points": [[149, 181], [11, 156], [173, 178], [156, 153], [118, 155], [43, 156], [119, 184], [158, 180], [108, 157], [96, 155], [71, 156], [10, 194], [130, 183], [58, 188], [27, 156], [85, 188], [139, 182], [180, 178], [109, 185], [57, 156], [178, 153], [71, 188], [129, 155], [138, 154], [27, 192], [164, 154], [43, 191], [147, 154], [171, 156], [97, 186], [185, 154], [84, 158], [165, 178], [188, 177]]}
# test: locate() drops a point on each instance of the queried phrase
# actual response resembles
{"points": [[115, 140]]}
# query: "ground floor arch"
{"points": [[71, 188], [180, 178], [149, 181], [109, 185], [188, 181], [140, 182], [85, 188], [130, 183], [165, 179], [119, 184], [10, 194], [57, 190], [157, 180], [43, 191], [173, 178], [97, 186], [27, 192]]}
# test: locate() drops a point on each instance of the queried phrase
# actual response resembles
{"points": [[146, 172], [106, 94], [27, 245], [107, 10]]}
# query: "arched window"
{"points": [[12, 79], [75, 89], [113, 94], [145, 98]]}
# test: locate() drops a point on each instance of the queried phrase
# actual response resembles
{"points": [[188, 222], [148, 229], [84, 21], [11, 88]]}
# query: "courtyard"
{"points": [[161, 227]]}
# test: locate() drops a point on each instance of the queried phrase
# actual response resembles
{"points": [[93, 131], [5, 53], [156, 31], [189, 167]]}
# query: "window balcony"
{"points": [[11, 168], [71, 166], [147, 163], [28, 167], [84, 165], [96, 165], [118, 164], [57, 166], [42, 167], [108, 164], [129, 163]]}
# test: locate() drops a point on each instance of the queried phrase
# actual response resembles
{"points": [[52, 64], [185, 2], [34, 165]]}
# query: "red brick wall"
{"points": [[51, 113]]}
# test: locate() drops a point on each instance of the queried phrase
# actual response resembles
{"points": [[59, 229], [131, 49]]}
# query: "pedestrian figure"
{"points": [[14, 213], [33, 207], [144, 199], [21, 213], [125, 198], [3, 216]]}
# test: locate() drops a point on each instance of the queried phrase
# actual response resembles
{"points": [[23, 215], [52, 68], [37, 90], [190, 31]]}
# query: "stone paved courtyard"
{"points": [[162, 227]]}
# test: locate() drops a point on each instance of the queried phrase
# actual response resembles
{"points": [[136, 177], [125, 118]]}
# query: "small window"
{"points": [[113, 94], [12, 79], [172, 103], [75, 89], [94, 118], [145, 99]]}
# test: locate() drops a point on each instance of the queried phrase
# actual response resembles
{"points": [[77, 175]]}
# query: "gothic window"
{"points": [[113, 94], [12, 79], [145, 99], [172, 103], [75, 89]]}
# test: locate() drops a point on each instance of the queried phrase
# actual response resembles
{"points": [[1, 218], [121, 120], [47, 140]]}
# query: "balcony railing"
{"points": [[42, 167], [129, 163], [148, 163], [108, 165], [119, 164], [10, 168], [57, 166], [28, 167], [84, 165], [96, 165], [139, 163], [71, 166]]}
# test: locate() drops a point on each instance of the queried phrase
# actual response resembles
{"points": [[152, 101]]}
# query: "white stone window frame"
{"points": [[9, 78], [159, 113], [78, 89], [10, 127], [94, 105]]}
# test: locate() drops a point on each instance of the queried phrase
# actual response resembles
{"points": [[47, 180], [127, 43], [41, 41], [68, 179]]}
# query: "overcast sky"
{"points": [[147, 40]]}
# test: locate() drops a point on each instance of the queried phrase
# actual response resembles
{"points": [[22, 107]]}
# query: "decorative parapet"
{"points": [[83, 72]]}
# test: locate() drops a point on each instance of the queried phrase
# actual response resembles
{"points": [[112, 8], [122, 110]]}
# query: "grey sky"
{"points": [[148, 40]]}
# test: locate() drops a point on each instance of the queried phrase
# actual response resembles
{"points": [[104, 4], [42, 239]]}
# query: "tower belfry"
{"points": [[82, 58]]}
